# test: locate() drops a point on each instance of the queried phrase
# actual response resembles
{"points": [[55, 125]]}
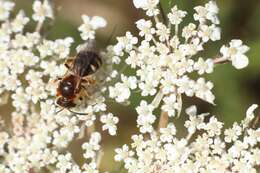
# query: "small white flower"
{"points": [[138, 141], [186, 85], [150, 6], [130, 81], [5, 8], [86, 28], [89, 152], [175, 16], [189, 31], [236, 149], [89, 26], [204, 66], [109, 123], [162, 49], [170, 105], [46, 48], [11, 82], [213, 10], [133, 59], [120, 92], [174, 42], [5, 31], [145, 117], [28, 40], [98, 22], [167, 83], [235, 53], [62, 47], [209, 12], [203, 90], [95, 138], [19, 22], [240, 61], [122, 154], [90, 168], [195, 121], [36, 91], [144, 108], [140, 4], [209, 33], [125, 43], [233, 133], [49, 68], [253, 137], [64, 162], [162, 31], [168, 133], [213, 127], [62, 137], [28, 58], [42, 10], [20, 100], [145, 28], [148, 88]]}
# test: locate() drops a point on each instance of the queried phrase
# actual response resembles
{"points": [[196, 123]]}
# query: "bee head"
{"points": [[67, 87]]}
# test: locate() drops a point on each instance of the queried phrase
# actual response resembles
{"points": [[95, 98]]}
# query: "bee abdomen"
{"points": [[87, 63]]}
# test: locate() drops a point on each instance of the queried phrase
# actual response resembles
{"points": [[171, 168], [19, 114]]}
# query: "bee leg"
{"points": [[78, 113], [57, 106], [60, 78], [68, 63], [57, 79], [88, 81], [54, 81], [59, 111], [85, 91]]}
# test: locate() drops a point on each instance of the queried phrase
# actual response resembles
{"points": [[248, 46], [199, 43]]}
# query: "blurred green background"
{"points": [[235, 90]]}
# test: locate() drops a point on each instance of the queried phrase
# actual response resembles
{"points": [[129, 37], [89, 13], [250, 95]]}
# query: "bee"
{"points": [[79, 76]]}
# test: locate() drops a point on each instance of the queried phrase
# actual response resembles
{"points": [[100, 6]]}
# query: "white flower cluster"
{"points": [[236, 53], [89, 26], [164, 58], [30, 63], [203, 150]]}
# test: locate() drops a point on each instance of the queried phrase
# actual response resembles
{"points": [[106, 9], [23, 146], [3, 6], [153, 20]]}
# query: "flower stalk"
{"points": [[163, 121]]}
